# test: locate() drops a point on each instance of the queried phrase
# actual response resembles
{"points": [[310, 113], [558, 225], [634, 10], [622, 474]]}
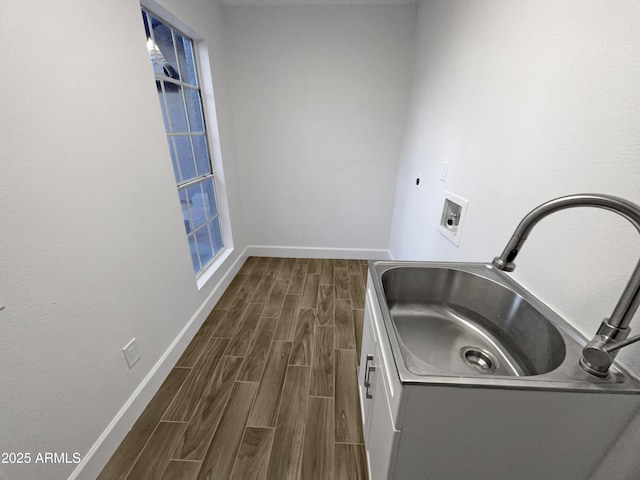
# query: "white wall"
{"points": [[92, 250], [528, 101], [319, 96]]}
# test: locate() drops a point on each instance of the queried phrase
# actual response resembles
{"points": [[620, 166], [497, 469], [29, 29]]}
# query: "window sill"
{"points": [[207, 273]]}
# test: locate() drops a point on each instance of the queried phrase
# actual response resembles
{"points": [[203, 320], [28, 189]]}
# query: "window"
{"points": [[174, 65]]}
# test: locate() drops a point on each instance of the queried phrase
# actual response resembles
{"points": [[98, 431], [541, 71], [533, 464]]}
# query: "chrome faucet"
{"points": [[599, 353]]}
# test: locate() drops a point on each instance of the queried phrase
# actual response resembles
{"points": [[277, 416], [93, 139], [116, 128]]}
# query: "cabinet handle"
{"points": [[367, 373]]}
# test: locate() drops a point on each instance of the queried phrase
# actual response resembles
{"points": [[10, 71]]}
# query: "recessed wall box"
{"points": [[453, 214]]}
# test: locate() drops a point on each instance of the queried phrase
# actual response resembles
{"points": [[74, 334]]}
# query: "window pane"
{"points": [[185, 157], [204, 245], [194, 254], [214, 227], [211, 209], [195, 109], [196, 203], [174, 160], [184, 203], [203, 164], [163, 106], [163, 43], [154, 51], [175, 104], [185, 59], [158, 61]]}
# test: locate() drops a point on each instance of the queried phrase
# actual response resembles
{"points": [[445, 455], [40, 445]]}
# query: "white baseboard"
{"points": [[315, 252], [104, 447]]}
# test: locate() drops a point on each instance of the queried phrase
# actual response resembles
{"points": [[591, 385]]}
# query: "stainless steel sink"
{"points": [[471, 324], [462, 323]]}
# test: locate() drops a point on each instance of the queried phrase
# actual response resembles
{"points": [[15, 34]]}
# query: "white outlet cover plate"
{"points": [[444, 169], [131, 353]]}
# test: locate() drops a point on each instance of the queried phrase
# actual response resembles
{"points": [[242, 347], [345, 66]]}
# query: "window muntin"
{"points": [[173, 61]]}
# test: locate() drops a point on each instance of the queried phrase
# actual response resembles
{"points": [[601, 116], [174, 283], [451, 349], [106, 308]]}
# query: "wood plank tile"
{"points": [[322, 364], [356, 291], [301, 345], [315, 266], [298, 276], [265, 410], [286, 453], [318, 454], [326, 274], [221, 455], [264, 287], [181, 470], [345, 335], [247, 324], [262, 264], [125, 455], [286, 269], [228, 322], [341, 282], [358, 322], [364, 270], [276, 298], [252, 459], [247, 266], [200, 340], [229, 294], [310, 292], [252, 282], [287, 320], [353, 267], [186, 400], [340, 263], [197, 437], [347, 405], [351, 462], [275, 263], [256, 356], [326, 305], [156, 454]]}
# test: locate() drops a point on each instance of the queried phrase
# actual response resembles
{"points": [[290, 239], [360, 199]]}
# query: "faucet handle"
{"points": [[595, 359], [599, 354], [624, 343]]}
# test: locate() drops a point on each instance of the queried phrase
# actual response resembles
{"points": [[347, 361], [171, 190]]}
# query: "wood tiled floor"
{"points": [[268, 386]]}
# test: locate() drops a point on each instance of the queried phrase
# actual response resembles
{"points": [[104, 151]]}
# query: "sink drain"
{"points": [[479, 359]]}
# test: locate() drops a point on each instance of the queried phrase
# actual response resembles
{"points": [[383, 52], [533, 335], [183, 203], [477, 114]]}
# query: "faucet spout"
{"points": [[599, 353]]}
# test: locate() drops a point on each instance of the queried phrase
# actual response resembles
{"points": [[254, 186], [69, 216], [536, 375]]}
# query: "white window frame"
{"points": [[205, 86]]}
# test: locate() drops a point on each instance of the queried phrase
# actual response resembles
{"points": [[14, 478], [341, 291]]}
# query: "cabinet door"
{"points": [[368, 352], [382, 438]]}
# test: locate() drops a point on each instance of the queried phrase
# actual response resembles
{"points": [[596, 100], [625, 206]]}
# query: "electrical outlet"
{"points": [[131, 353]]}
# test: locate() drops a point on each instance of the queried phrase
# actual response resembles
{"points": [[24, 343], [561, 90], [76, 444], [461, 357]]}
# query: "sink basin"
{"points": [[471, 325], [462, 323]]}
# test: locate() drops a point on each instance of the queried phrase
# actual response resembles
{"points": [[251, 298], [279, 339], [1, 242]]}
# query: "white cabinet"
{"points": [[440, 431], [380, 432], [367, 357], [381, 437]]}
